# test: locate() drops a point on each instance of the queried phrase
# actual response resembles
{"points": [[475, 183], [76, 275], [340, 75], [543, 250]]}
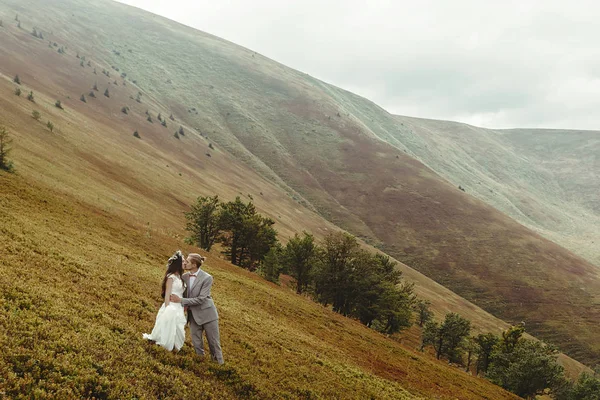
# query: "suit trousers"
{"points": [[212, 337]]}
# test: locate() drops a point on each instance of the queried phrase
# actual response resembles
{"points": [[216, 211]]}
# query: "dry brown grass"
{"points": [[79, 286]]}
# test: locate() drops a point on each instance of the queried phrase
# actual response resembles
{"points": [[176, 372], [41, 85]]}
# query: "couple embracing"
{"points": [[186, 293]]}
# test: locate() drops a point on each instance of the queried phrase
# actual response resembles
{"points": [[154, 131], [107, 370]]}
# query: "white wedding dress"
{"points": [[169, 328]]}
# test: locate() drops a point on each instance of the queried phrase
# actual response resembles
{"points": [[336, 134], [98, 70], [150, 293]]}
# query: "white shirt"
{"points": [[192, 279]]}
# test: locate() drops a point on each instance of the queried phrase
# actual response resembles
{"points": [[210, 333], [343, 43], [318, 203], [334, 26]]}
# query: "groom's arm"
{"points": [[202, 297]]}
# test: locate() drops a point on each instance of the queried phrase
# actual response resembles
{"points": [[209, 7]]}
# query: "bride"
{"points": [[169, 328]]}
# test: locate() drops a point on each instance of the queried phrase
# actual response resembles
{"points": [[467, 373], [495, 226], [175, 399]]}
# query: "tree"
{"points": [[181, 132], [203, 222], [270, 268], [106, 93], [149, 119], [58, 104], [176, 135], [17, 80], [299, 258], [124, 110], [171, 117], [30, 97], [511, 337], [82, 98], [95, 87], [249, 236], [447, 339], [50, 126], [333, 279], [36, 115], [18, 91], [136, 134], [164, 123], [423, 311], [587, 387], [34, 32], [528, 369], [471, 348], [92, 94], [5, 148], [486, 343]]}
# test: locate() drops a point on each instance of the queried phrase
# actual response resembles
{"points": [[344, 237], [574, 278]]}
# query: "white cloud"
{"points": [[495, 64]]}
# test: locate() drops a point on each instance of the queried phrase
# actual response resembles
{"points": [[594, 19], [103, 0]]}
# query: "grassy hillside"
{"points": [[545, 179], [80, 285], [311, 147]]}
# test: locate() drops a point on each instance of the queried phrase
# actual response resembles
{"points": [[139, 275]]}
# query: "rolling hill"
{"points": [[310, 155]]}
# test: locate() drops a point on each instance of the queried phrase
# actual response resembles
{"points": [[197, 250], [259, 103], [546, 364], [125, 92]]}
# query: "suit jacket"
{"points": [[198, 300]]}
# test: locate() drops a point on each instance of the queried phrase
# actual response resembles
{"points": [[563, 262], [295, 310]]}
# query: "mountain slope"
{"points": [[79, 286], [322, 146]]}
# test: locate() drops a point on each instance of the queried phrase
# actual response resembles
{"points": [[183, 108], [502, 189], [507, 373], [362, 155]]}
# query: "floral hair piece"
{"points": [[178, 254]]}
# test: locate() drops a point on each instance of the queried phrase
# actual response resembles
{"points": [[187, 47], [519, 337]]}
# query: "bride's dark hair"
{"points": [[174, 266]]}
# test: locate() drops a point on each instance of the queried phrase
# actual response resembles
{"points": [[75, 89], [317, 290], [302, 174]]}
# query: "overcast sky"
{"points": [[494, 64]]}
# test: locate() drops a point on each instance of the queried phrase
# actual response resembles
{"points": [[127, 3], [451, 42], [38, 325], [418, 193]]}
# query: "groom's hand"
{"points": [[175, 299]]}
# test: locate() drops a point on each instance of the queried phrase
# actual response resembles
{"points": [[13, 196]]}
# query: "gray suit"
{"points": [[202, 314]]}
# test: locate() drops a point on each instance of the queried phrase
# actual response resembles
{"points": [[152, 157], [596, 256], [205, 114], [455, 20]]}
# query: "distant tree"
{"points": [[17, 80], [149, 119], [18, 91], [136, 134], [470, 347], [40, 35], [92, 94], [333, 279], [181, 132], [106, 93], [248, 235], [81, 64], [511, 337], [270, 268], [50, 126], [30, 97], [423, 311], [34, 32], [529, 369], [587, 387], [35, 114], [82, 98], [298, 258], [159, 117], [138, 98], [58, 104], [171, 117], [448, 338], [176, 135], [203, 222], [210, 146], [5, 148], [164, 123], [61, 50], [486, 343], [89, 64], [124, 110]]}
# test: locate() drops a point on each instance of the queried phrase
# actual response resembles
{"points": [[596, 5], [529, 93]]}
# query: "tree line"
{"points": [[337, 273]]}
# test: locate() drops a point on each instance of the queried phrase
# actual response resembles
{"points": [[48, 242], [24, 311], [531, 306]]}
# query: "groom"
{"points": [[202, 313]]}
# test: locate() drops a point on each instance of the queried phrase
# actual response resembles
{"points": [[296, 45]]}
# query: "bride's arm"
{"points": [[168, 291]]}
